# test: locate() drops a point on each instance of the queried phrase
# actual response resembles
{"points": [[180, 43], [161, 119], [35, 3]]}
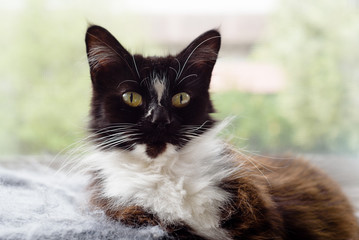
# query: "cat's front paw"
{"points": [[134, 216]]}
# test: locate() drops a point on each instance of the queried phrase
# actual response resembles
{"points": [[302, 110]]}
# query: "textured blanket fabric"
{"points": [[36, 202], [39, 203]]}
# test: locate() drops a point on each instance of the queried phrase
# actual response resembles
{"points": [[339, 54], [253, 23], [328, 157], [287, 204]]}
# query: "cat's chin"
{"points": [[155, 149]]}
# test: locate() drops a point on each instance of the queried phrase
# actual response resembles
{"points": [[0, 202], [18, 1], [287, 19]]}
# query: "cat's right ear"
{"points": [[103, 50]]}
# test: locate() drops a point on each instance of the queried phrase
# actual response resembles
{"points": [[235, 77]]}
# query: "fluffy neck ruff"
{"points": [[179, 185]]}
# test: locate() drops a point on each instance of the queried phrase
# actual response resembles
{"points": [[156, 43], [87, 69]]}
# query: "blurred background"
{"points": [[288, 70]]}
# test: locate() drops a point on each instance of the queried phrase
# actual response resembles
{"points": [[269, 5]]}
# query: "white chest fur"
{"points": [[178, 185]]}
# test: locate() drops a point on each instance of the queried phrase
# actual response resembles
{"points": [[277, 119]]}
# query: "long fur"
{"points": [[159, 164], [180, 185]]}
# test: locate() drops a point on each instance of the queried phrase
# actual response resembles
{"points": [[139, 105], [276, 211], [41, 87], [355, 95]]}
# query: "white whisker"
{"points": [[188, 76], [109, 137], [134, 63], [174, 70], [126, 81], [144, 80], [179, 68]]}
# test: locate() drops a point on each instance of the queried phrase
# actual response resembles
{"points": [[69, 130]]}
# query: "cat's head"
{"points": [[149, 100]]}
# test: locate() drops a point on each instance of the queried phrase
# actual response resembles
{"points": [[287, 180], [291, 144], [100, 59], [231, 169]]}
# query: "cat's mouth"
{"points": [[158, 138]]}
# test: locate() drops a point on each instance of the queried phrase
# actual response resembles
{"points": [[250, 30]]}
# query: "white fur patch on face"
{"points": [[177, 185], [149, 113], [159, 87]]}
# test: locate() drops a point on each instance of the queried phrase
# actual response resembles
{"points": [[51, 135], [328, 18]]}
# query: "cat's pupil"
{"points": [[181, 98], [131, 97]]}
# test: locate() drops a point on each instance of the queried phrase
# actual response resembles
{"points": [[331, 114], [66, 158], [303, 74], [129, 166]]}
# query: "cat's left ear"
{"points": [[201, 54]]}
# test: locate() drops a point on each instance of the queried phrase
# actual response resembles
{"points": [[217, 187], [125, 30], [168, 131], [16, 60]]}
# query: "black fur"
{"points": [[115, 71]]}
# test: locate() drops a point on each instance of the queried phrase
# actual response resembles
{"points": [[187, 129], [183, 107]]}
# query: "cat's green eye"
{"points": [[132, 99], [180, 99]]}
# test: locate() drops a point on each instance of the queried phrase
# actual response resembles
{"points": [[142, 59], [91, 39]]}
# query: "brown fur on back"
{"points": [[289, 199]]}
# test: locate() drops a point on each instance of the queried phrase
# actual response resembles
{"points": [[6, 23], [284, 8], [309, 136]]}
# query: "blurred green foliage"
{"points": [[45, 86], [316, 44], [257, 124]]}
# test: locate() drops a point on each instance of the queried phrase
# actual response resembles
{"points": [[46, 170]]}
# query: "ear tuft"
{"points": [[102, 48], [203, 51]]}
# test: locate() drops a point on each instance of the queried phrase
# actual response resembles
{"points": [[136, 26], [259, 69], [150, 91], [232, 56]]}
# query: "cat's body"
{"points": [[159, 160]]}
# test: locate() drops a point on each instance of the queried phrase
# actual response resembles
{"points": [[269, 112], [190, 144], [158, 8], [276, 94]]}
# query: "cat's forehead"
{"points": [[157, 70], [157, 63]]}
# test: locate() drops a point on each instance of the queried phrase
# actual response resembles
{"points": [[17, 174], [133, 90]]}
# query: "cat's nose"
{"points": [[160, 117]]}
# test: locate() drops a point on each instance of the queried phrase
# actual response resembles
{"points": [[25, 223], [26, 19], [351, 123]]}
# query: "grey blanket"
{"points": [[39, 203]]}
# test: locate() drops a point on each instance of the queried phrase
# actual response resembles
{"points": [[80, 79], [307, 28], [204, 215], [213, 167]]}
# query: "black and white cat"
{"points": [[158, 160]]}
